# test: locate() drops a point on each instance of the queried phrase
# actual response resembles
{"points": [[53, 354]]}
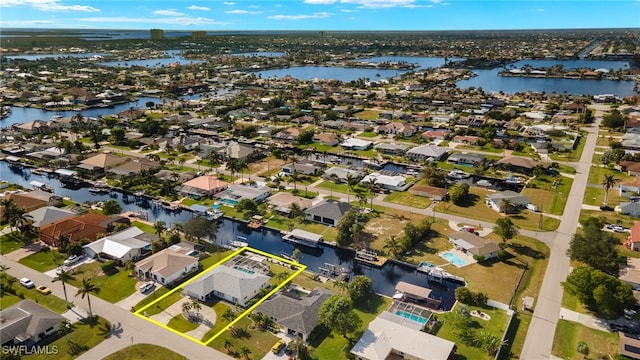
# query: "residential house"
{"points": [[391, 149], [289, 135], [22, 201], [466, 139], [327, 138], [282, 202], [328, 212], [466, 159], [389, 337], [134, 167], [633, 240], [26, 323], [629, 345], [237, 284], [48, 214], [391, 182], [631, 141], [202, 186], [474, 244], [51, 199], [90, 226], [235, 193], [168, 265], [302, 167], [518, 164], [435, 193], [630, 188], [632, 168], [435, 134], [128, 244], [496, 201], [631, 208], [241, 151], [296, 313], [99, 163], [630, 273], [356, 144], [32, 127], [397, 128], [427, 153], [340, 174]]}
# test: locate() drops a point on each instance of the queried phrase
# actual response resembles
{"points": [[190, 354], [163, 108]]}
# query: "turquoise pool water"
{"points": [[452, 258], [243, 269], [230, 202], [409, 316]]}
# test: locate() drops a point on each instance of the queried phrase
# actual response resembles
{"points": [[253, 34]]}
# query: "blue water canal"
{"points": [[384, 279]]}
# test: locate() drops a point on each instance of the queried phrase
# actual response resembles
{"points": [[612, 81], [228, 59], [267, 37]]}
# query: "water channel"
{"points": [[384, 279]]}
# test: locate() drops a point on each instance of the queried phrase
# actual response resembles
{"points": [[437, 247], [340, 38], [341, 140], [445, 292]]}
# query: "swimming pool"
{"points": [[244, 270], [230, 202], [453, 258], [410, 316]]}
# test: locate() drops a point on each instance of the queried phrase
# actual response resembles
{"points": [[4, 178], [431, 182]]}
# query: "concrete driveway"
{"points": [[281, 355], [135, 298]]}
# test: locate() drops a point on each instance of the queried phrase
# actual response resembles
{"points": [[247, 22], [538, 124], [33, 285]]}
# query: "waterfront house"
{"points": [[128, 244], [427, 153], [518, 164], [134, 167], [99, 163], [356, 144], [282, 202], [90, 226], [289, 135], [474, 244], [496, 201], [48, 214], [391, 182], [202, 186], [295, 312], [26, 323], [390, 336], [168, 265], [235, 193], [237, 285], [340, 174], [328, 212], [632, 168], [391, 149], [327, 138], [302, 167], [27, 203], [435, 193], [466, 159]]}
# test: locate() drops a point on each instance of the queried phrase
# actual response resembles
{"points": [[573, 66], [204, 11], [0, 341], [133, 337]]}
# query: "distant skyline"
{"points": [[348, 15]]}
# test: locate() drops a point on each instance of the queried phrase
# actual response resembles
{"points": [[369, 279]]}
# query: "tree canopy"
{"points": [[111, 207], [596, 248], [337, 314], [360, 290], [599, 291], [506, 229], [459, 192], [199, 227]]}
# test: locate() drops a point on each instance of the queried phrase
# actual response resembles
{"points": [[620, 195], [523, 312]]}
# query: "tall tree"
{"points": [[598, 291], [64, 277], [87, 288], [199, 227], [160, 227], [596, 248], [360, 290], [394, 246], [608, 182], [336, 313], [506, 229]]}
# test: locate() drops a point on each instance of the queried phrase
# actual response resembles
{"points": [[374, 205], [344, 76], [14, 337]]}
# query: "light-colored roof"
{"points": [[166, 262], [519, 161], [120, 243], [283, 201], [233, 282], [49, 214], [416, 290], [104, 160], [428, 151], [382, 179], [383, 335], [207, 183], [630, 273], [514, 197], [474, 243], [353, 142]]}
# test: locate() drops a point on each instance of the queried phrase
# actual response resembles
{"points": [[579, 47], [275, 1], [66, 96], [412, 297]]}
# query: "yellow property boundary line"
{"points": [[301, 268]]}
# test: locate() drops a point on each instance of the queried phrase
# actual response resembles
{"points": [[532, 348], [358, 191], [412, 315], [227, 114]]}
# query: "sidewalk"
{"points": [[586, 320]]}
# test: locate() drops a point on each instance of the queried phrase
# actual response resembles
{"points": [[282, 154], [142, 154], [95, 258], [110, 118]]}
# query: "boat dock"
{"points": [[370, 257], [303, 238], [438, 273]]}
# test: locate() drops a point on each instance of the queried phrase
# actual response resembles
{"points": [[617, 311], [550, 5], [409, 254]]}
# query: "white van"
{"points": [[146, 287], [533, 207]]}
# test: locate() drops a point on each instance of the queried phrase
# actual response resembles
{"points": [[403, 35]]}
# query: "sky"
{"points": [[316, 15]]}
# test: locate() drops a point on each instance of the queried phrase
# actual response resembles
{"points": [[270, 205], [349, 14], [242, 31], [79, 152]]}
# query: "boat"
{"points": [[302, 237], [458, 174], [370, 257], [437, 273], [238, 244], [214, 214], [37, 185], [512, 180], [484, 183], [374, 164], [98, 190]]}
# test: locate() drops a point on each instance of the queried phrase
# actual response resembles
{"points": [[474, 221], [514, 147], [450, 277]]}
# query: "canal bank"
{"points": [[383, 278]]}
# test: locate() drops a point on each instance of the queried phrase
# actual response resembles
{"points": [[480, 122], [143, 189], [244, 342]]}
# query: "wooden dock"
{"points": [[370, 257]]}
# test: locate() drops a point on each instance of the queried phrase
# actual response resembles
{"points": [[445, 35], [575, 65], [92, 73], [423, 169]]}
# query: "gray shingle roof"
{"points": [[329, 209], [26, 319]]}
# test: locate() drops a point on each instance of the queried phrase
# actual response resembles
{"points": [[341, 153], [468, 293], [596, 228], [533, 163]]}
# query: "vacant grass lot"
{"points": [[496, 326], [162, 304], [477, 209], [405, 198], [85, 335], [257, 341], [602, 344], [283, 223], [43, 260], [113, 288], [145, 351], [9, 243], [541, 192], [50, 301]]}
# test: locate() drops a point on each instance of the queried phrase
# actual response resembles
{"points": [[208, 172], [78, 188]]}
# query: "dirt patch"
{"points": [[266, 167]]}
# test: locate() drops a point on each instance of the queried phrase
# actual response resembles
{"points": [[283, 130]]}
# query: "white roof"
{"points": [[382, 336], [118, 244], [236, 283], [381, 179], [353, 142]]}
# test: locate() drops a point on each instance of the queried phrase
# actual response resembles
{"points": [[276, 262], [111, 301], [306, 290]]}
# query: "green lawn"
{"points": [[540, 191], [9, 243], [43, 260], [405, 198], [367, 114], [597, 173], [179, 323], [283, 223], [257, 341], [145, 351], [219, 308], [113, 288], [49, 301], [496, 326], [330, 345], [477, 209], [572, 155], [602, 344], [85, 335], [368, 134], [162, 304], [144, 227]]}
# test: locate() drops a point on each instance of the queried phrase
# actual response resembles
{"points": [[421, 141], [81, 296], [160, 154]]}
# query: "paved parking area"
{"points": [[135, 298], [281, 355]]}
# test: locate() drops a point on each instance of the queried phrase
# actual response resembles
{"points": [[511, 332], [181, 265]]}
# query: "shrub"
{"points": [[108, 266]]}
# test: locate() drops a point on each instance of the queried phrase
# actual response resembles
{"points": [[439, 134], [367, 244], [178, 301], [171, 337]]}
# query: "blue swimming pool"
{"points": [[454, 259], [230, 202], [410, 316]]}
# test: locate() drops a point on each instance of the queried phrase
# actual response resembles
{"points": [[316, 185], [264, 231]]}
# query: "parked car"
{"points": [[629, 314], [620, 229], [147, 286], [43, 290], [278, 346], [71, 260], [27, 283]]}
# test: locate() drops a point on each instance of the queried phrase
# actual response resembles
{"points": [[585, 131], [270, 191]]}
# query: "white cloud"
{"points": [[379, 3], [348, 11], [414, 6], [184, 21], [48, 5], [320, 2], [242, 12], [540, 10], [228, 3], [196, 7], [318, 15], [169, 12]]}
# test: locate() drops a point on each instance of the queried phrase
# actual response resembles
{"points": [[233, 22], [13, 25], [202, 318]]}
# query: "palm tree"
{"points": [[64, 277], [393, 245], [195, 305], [159, 226], [340, 285], [186, 307], [506, 206], [244, 352], [350, 184], [371, 183], [228, 315], [295, 177], [227, 345], [233, 165], [87, 288], [608, 182], [215, 159], [64, 329], [362, 199]]}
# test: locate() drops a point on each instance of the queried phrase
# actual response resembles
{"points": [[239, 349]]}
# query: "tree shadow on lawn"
{"points": [[526, 250], [468, 201]]}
